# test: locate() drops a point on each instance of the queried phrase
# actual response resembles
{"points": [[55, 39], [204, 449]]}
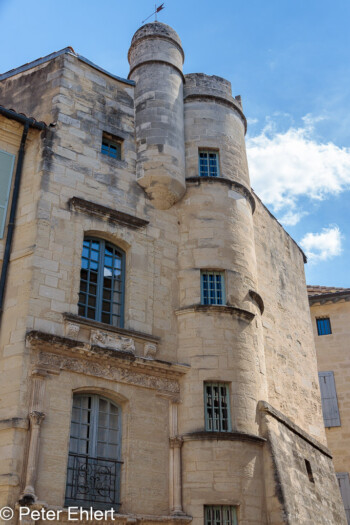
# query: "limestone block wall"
{"points": [[333, 356], [289, 348]]}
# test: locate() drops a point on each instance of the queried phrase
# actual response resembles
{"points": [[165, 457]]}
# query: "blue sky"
{"points": [[290, 61]]}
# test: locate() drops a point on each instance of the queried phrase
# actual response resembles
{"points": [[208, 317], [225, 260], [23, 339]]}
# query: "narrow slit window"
{"points": [[112, 146], [208, 164], [212, 287], [309, 471], [220, 515], [324, 326], [217, 407]]}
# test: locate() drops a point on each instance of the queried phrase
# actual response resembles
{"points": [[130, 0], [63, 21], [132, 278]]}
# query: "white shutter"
{"points": [[330, 408], [344, 485], [7, 161]]}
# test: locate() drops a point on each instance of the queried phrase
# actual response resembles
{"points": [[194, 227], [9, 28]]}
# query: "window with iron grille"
{"points": [[212, 287], [220, 515], [208, 163], [94, 466], [217, 407], [111, 146], [101, 295], [324, 326]]}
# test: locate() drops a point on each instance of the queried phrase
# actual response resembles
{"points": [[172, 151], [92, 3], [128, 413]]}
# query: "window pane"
{"points": [[216, 407]]}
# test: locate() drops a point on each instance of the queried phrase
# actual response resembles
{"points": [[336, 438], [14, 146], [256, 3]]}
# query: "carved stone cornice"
{"points": [[205, 435], [232, 184], [106, 214], [258, 299]]}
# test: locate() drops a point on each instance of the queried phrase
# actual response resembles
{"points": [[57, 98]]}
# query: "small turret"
{"points": [[156, 59]]}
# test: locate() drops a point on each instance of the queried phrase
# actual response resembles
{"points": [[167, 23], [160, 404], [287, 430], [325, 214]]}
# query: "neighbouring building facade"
{"points": [[330, 315], [157, 355]]}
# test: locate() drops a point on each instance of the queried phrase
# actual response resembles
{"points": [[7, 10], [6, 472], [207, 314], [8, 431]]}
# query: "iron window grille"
{"points": [[208, 163], [212, 287], [111, 146], [217, 407], [94, 466], [324, 326], [102, 276], [220, 515]]}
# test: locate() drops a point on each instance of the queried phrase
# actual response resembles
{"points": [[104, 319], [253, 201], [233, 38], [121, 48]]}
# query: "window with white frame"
{"points": [[217, 407], [94, 466], [102, 275], [212, 287], [208, 163]]}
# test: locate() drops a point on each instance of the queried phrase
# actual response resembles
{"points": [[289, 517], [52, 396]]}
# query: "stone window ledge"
{"points": [[204, 435], [217, 309], [110, 328]]}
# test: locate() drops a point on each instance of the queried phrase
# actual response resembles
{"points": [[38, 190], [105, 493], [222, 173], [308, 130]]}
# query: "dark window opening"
{"points": [[309, 471], [112, 146]]}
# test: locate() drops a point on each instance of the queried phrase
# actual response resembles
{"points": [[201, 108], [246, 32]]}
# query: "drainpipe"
{"points": [[27, 122]]}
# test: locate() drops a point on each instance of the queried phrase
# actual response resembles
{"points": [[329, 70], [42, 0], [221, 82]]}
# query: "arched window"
{"points": [[93, 473], [101, 295]]}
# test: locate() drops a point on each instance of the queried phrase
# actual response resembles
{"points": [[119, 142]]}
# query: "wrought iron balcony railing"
{"points": [[93, 482]]}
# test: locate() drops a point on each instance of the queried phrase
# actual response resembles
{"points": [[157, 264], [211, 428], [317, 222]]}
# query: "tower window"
{"points": [[309, 471], [220, 515], [217, 407], [324, 326], [111, 146], [101, 295], [212, 287], [208, 163]]}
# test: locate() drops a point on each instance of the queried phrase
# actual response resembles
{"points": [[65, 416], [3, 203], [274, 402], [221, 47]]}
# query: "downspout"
{"points": [[12, 219]]}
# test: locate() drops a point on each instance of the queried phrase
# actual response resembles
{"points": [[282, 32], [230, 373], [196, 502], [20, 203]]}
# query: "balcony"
{"points": [[93, 482]]}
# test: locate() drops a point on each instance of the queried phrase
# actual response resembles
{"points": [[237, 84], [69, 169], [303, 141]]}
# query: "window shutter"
{"points": [[330, 409], [344, 485], [7, 161]]}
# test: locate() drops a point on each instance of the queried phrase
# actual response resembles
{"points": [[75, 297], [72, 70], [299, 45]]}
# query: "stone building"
{"points": [[157, 355], [330, 315]]}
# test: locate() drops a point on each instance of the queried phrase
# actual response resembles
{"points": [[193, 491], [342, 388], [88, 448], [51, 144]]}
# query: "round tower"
{"points": [[156, 58], [220, 328]]}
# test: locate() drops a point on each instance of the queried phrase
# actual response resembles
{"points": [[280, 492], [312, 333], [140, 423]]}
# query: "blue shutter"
{"points": [[7, 161], [344, 485], [329, 399]]}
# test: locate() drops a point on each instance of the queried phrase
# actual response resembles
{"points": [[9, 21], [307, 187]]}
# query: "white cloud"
{"points": [[322, 246], [288, 165]]}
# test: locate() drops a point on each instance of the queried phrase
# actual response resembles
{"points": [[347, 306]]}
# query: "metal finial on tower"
{"points": [[156, 10]]}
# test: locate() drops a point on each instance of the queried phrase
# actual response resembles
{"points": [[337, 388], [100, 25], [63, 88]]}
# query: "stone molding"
{"points": [[204, 435], [325, 298], [258, 299], [217, 309], [105, 213], [163, 62], [77, 319], [269, 410], [219, 100], [237, 186], [176, 441]]}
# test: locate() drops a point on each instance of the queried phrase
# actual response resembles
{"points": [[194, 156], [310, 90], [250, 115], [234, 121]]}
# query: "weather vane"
{"points": [[157, 9]]}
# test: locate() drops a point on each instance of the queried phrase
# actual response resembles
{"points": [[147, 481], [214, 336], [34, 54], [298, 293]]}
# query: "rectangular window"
{"points": [[208, 164], [7, 161], [329, 399], [323, 326], [344, 485], [212, 287], [112, 146], [217, 407], [220, 515]]}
